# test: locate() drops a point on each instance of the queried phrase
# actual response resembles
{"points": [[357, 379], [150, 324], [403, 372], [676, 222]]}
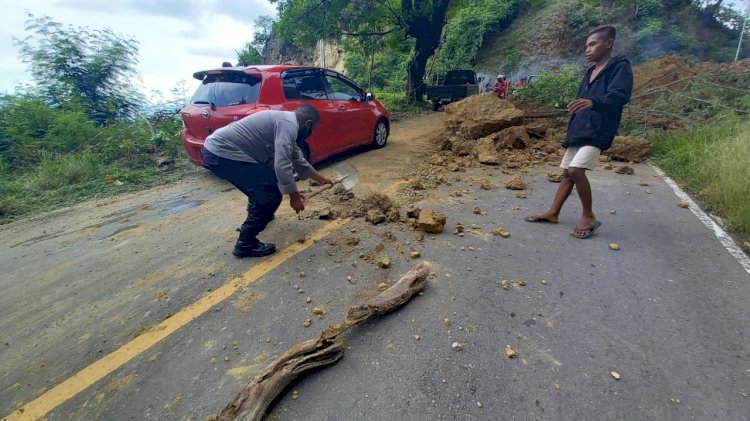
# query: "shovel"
{"points": [[344, 174]]}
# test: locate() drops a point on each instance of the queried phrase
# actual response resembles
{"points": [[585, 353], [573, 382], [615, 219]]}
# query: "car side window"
{"points": [[304, 84], [343, 90]]}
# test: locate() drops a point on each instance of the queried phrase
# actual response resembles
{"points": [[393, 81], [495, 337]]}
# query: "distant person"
{"points": [[259, 154], [594, 120], [501, 87], [523, 82], [226, 64]]}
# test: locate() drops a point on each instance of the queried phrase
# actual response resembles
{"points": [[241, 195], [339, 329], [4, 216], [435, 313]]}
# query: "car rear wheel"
{"points": [[381, 134]]}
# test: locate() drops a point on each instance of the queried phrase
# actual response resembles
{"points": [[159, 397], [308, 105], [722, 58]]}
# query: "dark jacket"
{"points": [[609, 93]]}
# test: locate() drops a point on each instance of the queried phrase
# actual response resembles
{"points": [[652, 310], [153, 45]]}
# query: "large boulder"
{"points": [[629, 148], [431, 222], [481, 115]]}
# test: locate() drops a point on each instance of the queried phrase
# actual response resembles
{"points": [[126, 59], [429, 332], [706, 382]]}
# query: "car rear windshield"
{"points": [[460, 77], [227, 89]]}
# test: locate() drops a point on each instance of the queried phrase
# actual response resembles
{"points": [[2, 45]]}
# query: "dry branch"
{"points": [[253, 400]]}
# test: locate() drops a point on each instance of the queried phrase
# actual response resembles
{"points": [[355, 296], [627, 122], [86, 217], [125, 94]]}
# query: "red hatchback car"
{"points": [[349, 116]]}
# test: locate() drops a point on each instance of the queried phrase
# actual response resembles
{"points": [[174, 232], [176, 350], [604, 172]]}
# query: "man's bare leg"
{"points": [[563, 192], [583, 187]]}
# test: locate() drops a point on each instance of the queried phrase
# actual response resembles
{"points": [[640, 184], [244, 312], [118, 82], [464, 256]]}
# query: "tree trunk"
{"points": [[425, 24]]}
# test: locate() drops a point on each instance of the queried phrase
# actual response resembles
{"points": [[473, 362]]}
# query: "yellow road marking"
{"points": [[54, 397]]}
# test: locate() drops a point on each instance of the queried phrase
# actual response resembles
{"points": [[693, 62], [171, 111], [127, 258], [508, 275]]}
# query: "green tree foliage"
{"points": [[252, 53], [416, 21], [556, 90], [82, 68], [466, 30]]}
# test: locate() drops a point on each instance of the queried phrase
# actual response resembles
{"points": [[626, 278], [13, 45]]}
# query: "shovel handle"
{"points": [[320, 190]]}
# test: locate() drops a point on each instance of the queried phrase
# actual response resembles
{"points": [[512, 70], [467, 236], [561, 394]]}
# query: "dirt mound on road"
{"points": [[480, 115]]}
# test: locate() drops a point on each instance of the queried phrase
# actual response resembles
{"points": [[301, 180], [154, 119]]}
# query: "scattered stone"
{"points": [[295, 395], [521, 195], [419, 237], [417, 337], [615, 375], [544, 282], [607, 167], [319, 311], [515, 183], [457, 346], [479, 404], [614, 246], [413, 213], [416, 185], [478, 211], [431, 221], [447, 322], [389, 346], [350, 279], [509, 352], [683, 204], [625, 170], [308, 300], [307, 323], [501, 232], [504, 284], [612, 211], [375, 216], [326, 213], [642, 183], [384, 262], [555, 177], [486, 184], [648, 191], [459, 229], [302, 274], [415, 254], [382, 286]]}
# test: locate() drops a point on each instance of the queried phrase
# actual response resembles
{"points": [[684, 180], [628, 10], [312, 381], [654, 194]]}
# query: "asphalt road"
{"points": [[137, 308]]}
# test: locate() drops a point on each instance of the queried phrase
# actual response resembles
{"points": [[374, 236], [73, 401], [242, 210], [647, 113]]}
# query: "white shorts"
{"points": [[581, 157]]}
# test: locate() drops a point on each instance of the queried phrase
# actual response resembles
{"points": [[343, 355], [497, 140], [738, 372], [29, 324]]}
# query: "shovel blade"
{"points": [[346, 174]]}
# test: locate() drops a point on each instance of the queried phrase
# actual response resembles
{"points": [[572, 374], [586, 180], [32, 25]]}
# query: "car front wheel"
{"points": [[381, 134]]}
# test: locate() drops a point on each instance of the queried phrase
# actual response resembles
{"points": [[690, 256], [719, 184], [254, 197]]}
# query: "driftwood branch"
{"points": [[252, 402]]}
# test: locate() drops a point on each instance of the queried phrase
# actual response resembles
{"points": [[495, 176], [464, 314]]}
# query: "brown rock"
{"points": [[625, 170], [413, 213], [509, 352], [501, 232], [515, 183], [327, 213], [431, 221], [486, 184], [486, 152], [512, 138], [384, 262], [629, 148], [521, 195], [683, 204], [555, 177], [480, 115], [394, 215], [375, 216], [382, 286], [477, 210]]}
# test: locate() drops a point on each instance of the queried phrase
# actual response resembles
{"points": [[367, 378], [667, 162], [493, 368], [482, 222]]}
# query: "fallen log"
{"points": [[252, 402]]}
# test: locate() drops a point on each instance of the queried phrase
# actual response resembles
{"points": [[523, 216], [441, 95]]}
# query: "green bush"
{"points": [[555, 90]]}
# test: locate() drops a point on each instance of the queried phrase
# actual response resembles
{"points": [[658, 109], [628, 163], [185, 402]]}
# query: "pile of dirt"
{"points": [[660, 72], [480, 115]]}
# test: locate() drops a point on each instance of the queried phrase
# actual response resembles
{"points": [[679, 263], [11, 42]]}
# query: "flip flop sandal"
{"points": [[583, 233], [537, 218]]}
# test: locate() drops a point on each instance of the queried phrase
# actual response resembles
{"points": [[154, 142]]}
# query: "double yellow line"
{"points": [[54, 397]]}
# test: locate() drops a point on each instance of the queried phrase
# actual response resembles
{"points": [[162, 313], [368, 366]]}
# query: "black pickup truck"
{"points": [[457, 85]]}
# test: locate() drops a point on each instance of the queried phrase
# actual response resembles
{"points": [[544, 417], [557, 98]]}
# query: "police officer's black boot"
{"points": [[249, 246]]}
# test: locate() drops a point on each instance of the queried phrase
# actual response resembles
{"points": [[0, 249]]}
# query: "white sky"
{"points": [[176, 38]]}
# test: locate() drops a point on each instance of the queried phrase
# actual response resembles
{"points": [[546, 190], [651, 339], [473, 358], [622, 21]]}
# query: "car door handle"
{"points": [[342, 108]]}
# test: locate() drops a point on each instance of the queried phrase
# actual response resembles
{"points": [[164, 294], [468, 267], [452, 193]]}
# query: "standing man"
{"points": [[501, 87], [260, 154], [594, 120]]}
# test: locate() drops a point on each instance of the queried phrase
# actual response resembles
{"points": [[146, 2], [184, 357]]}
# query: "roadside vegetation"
{"points": [[81, 130], [711, 162]]}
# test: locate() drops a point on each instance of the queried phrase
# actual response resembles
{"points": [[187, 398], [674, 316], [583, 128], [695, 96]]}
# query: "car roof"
{"points": [[260, 68]]}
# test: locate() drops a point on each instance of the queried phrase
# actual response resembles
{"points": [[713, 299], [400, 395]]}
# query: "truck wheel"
{"points": [[381, 135], [435, 106]]}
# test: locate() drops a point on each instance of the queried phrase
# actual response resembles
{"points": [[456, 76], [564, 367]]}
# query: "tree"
{"points": [[253, 51], [418, 21], [82, 67]]}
